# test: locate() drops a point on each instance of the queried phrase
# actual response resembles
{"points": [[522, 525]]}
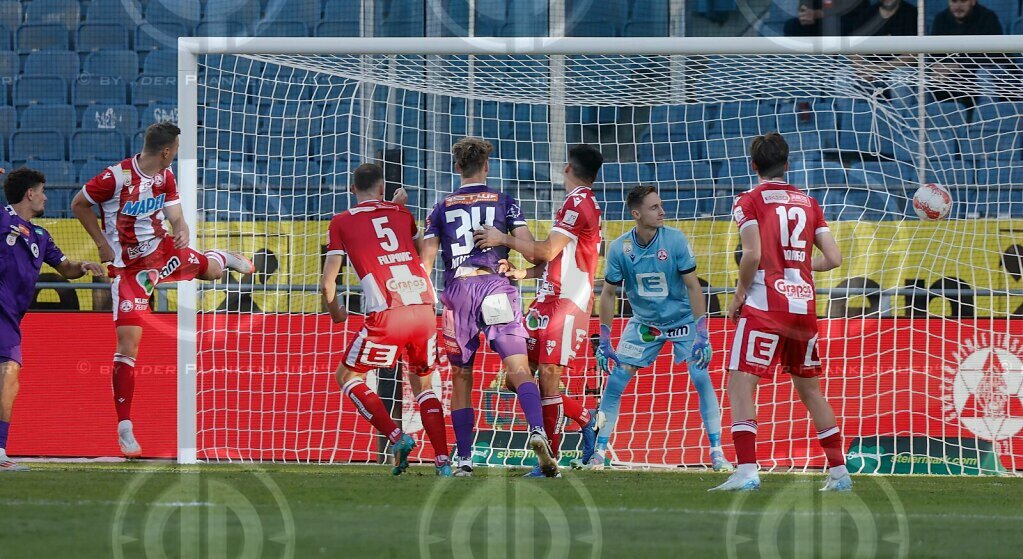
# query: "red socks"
{"points": [[744, 436], [124, 385], [553, 421], [432, 412], [831, 442], [575, 411], [370, 406]]}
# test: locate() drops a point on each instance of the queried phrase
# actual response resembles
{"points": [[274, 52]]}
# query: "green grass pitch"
{"points": [[154, 510]]}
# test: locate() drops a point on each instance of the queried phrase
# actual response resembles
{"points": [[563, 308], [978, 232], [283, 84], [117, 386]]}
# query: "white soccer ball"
{"points": [[932, 202]]}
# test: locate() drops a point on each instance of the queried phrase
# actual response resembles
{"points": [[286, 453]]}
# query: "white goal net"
{"points": [[920, 332]]}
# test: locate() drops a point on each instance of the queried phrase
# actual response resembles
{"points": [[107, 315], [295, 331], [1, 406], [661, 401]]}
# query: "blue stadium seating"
{"points": [[282, 28], [154, 89], [136, 142], [6, 39], [10, 64], [889, 174], [338, 29], [120, 64], [37, 144], [304, 11], [245, 12], [395, 18], [8, 121], [59, 118], [150, 36], [646, 28], [342, 10], [999, 175], [161, 63], [56, 63], [113, 11], [63, 12], [619, 173], [98, 144], [122, 118], [157, 112], [585, 18], [58, 173], [185, 12], [221, 205], [491, 17], [89, 89], [949, 172], [47, 90], [527, 18], [10, 14], [101, 36], [90, 169], [41, 36]]}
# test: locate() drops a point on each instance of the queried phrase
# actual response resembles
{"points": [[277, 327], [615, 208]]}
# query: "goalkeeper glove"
{"points": [[701, 352], [605, 352]]}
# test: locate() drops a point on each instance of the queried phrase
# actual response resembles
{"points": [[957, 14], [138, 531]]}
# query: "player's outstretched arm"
{"points": [[82, 208], [748, 264], [532, 250], [831, 255], [176, 218], [71, 269], [328, 287], [428, 253]]}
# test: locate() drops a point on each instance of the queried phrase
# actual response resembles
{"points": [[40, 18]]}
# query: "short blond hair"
{"points": [[471, 154]]}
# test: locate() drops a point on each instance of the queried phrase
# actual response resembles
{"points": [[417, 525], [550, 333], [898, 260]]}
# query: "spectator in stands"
{"points": [[826, 17], [888, 18], [966, 17]]}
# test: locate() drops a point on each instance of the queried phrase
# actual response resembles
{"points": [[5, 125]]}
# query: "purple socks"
{"points": [[463, 421], [529, 401], [4, 428]]}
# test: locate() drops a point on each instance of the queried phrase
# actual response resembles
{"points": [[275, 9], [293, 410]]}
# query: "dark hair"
{"points": [[770, 153], [635, 197], [585, 161], [366, 176], [159, 136], [471, 154], [19, 181]]}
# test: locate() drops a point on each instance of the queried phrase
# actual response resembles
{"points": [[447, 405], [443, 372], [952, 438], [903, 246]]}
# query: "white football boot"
{"points": [[126, 438]]}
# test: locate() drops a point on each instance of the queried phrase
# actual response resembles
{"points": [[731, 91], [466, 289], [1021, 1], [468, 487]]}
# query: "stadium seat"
{"points": [[120, 64], [6, 39], [88, 89], [889, 174], [154, 89], [161, 63], [91, 168], [949, 172], [98, 144], [863, 204], [58, 173], [291, 172], [122, 118], [491, 17], [292, 28], [684, 171], [222, 205], [113, 11], [54, 63], [619, 173], [646, 28], [995, 132], [8, 121], [585, 18], [41, 36], [46, 90], [184, 12], [151, 36], [337, 29], [10, 14], [10, 64], [222, 29], [58, 118], [343, 10], [136, 142], [304, 11], [999, 175], [157, 112], [101, 36], [527, 18], [725, 147], [246, 12], [37, 144], [63, 12]]}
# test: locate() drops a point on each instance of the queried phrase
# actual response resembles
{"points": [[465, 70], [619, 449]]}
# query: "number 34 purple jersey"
{"points": [[454, 218]]}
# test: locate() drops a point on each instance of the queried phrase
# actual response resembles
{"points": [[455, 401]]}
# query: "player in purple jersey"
{"points": [[477, 298], [26, 246]]}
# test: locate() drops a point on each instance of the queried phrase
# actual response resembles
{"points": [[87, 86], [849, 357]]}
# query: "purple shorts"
{"points": [[10, 341], [11, 354], [463, 319]]}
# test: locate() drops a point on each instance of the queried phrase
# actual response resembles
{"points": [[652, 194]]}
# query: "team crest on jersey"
{"points": [[12, 238], [35, 250], [570, 217], [627, 247], [39, 230], [984, 389], [662, 255], [147, 280], [127, 176], [126, 305], [158, 180]]}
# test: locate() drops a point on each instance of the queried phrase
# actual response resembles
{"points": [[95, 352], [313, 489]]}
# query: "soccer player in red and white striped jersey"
{"points": [[138, 198], [775, 311], [382, 242]]}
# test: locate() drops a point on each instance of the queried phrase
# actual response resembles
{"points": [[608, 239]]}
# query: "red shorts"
{"points": [[763, 342], [386, 333], [557, 329], [134, 284]]}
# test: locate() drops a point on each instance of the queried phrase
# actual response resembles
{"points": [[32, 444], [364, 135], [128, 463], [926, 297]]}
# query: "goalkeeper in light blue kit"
{"points": [[658, 268]]}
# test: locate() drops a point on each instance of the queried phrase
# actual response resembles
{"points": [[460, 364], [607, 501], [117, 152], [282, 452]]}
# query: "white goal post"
{"points": [[924, 353]]}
